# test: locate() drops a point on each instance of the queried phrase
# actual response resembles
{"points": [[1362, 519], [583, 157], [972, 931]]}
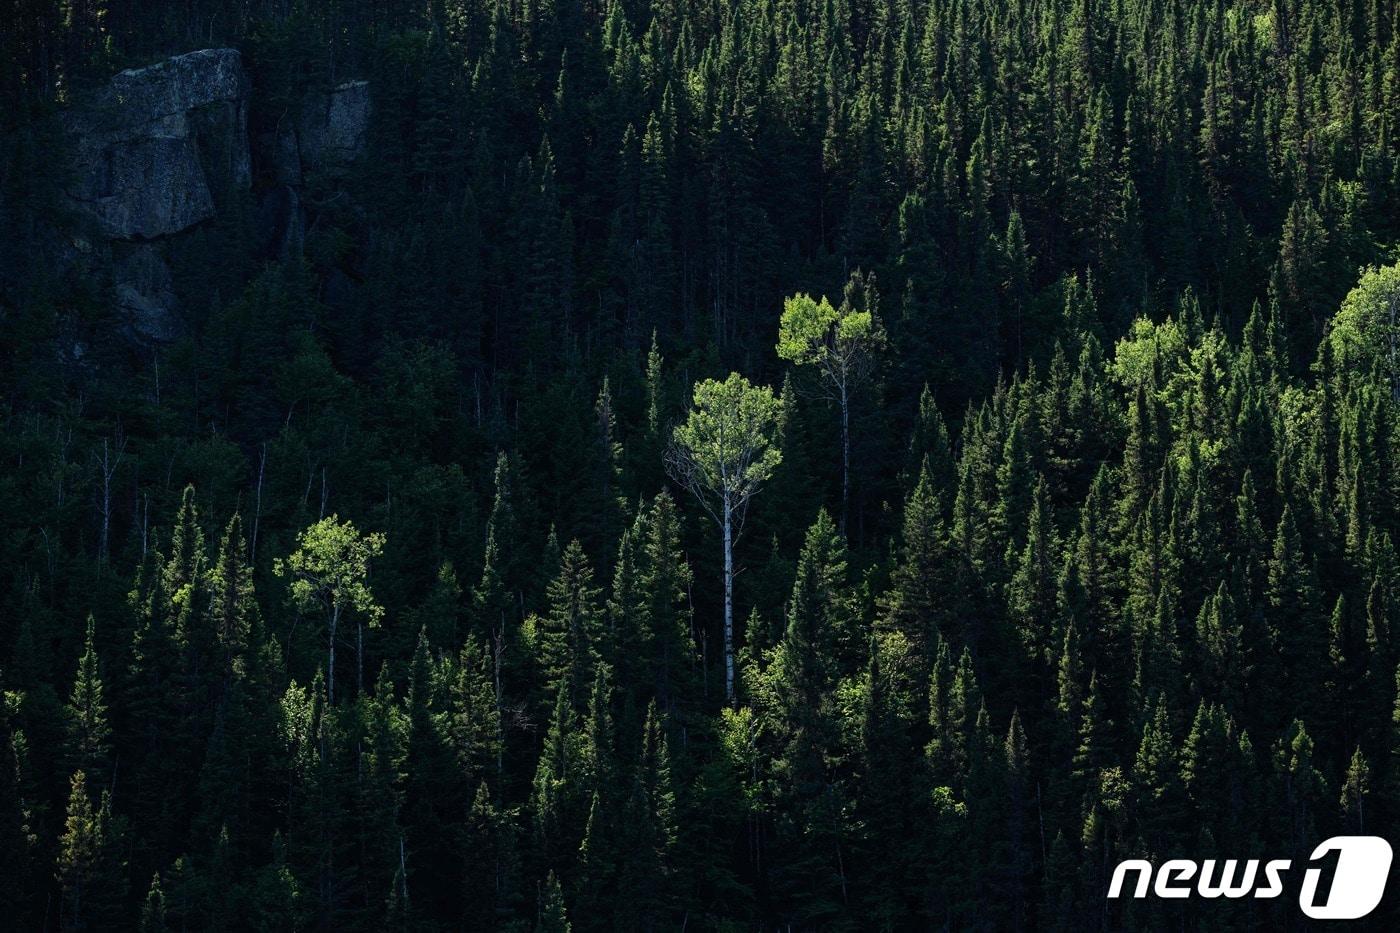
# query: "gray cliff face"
{"points": [[327, 133], [333, 125], [154, 146], [159, 149]]}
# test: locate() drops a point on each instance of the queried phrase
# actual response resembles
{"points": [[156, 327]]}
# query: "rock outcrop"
{"points": [[160, 150], [152, 154], [153, 148], [328, 132], [333, 125]]}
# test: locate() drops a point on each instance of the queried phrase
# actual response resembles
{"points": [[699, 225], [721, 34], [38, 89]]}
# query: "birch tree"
{"points": [[328, 572], [724, 453], [842, 344], [107, 466], [1365, 332]]}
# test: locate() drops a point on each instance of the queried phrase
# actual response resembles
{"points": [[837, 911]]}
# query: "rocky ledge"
{"points": [[154, 146], [160, 149]]}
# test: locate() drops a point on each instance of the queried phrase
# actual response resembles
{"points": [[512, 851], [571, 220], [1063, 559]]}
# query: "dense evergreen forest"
{"points": [[711, 464]]}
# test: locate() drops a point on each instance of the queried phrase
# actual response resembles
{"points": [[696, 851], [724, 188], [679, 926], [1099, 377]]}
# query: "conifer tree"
{"points": [[626, 628], [1030, 594], [182, 576], [916, 605], [494, 597], [665, 581], [571, 636], [153, 908], [475, 727], [1356, 788], [882, 800], [646, 882], [434, 789], [1292, 595], [89, 736], [1094, 738], [232, 607], [1018, 858], [553, 917], [91, 871], [1160, 796], [931, 443], [16, 839], [558, 799], [1221, 638], [612, 508]]}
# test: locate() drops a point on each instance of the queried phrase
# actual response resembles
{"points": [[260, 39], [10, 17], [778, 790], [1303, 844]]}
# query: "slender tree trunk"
{"points": [[330, 675], [257, 508], [360, 658], [845, 457], [728, 603], [111, 459], [106, 503], [1394, 373], [500, 705]]}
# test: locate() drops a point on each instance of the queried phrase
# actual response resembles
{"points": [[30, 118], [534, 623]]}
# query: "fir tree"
{"points": [[90, 867], [89, 735], [571, 635]]}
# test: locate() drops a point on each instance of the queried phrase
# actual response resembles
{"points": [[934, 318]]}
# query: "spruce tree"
{"points": [[16, 839], [90, 865], [665, 581], [571, 636], [89, 735]]}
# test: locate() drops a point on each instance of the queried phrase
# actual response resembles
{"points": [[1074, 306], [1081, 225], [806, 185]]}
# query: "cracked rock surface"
{"points": [[161, 149], [152, 148]]}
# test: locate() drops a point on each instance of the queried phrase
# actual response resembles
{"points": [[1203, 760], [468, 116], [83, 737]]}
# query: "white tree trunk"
{"points": [[845, 456], [728, 602], [1394, 373], [257, 508], [330, 676]]}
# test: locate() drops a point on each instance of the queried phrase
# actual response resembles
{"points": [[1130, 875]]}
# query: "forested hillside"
{"points": [[694, 464]]}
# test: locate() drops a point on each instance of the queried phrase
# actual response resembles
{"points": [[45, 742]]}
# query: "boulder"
{"points": [[154, 149]]}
